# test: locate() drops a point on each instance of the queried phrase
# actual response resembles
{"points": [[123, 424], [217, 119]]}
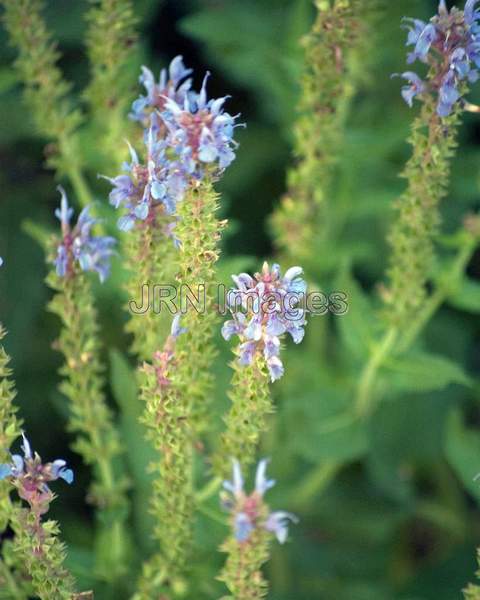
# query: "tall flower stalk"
{"points": [[448, 46], [252, 526], [169, 207], [46, 91], [110, 39], [327, 85], [9, 425], [97, 439], [12, 572], [36, 542], [264, 308]]}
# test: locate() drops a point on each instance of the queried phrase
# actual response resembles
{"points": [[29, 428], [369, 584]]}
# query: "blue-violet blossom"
{"points": [[250, 512], [200, 132], [450, 45], [146, 191], [265, 307], [173, 83], [31, 477], [79, 245]]}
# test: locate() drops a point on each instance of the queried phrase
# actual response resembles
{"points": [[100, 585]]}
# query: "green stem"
{"points": [[314, 483], [209, 490], [74, 173], [14, 591], [439, 295], [364, 398]]}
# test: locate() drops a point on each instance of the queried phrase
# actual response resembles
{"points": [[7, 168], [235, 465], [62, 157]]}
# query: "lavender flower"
{"points": [[200, 132], [31, 477], [172, 84], [450, 45], [264, 308], [147, 190], [416, 87], [92, 253], [250, 512]]}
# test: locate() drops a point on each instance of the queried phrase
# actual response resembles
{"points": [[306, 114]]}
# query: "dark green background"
{"points": [[401, 521]]}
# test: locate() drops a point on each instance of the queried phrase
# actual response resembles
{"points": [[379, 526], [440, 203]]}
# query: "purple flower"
{"points": [[172, 84], [200, 132], [79, 245], [250, 512], [416, 87], [150, 190], [264, 308], [277, 523], [450, 45], [31, 477], [176, 329]]}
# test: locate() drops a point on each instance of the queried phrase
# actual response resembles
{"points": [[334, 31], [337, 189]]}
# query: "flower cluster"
{"points": [[79, 245], [146, 191], [31, 477], [200, 132], [264, 307], [250, 512], [450, 45], [172, 84], [187, 137]]}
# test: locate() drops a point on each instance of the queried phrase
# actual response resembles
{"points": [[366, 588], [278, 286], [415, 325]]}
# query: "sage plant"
{"points": [[79, 251], [36, 541], [329, 81], [264, 308], [169, 205], [448, 48], [252, 526]]}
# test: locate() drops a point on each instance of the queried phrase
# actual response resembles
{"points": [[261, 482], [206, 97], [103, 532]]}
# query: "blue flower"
{"points": [[416, 87], [146, 191], [249, 512], [264, 308], [172, 84], [79, 245], [200, 132], [277, 523], [450, 44], [176, 329], [29, 467]]}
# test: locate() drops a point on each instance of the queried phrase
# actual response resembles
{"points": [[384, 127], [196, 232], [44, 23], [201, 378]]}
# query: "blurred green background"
{"points": [[400, 520]]}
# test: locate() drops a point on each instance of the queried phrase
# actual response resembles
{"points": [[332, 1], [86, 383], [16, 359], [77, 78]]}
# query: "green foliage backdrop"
{"points": [[388, 507]]}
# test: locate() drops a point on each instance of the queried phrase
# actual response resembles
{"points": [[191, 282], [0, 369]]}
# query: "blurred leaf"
{"points": [[421, 372], [139, 452], [255, 50], [466, 296], [462, 449], [325, 428], [359, 325]]}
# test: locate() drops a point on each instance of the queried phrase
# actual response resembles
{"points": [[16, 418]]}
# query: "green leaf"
{"points": [[325, 429], [467, 296], [462, 449], [422, 372], [139, 453], [358, 327]]}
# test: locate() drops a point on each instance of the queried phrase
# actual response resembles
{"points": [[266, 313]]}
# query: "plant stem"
{"points": [[364, 397], [314, 483], [74, 173], [208, 490], [439, 295]]}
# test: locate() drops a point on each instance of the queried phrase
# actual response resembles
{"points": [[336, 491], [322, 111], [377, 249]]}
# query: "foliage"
{"points": [[373, 431]]}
